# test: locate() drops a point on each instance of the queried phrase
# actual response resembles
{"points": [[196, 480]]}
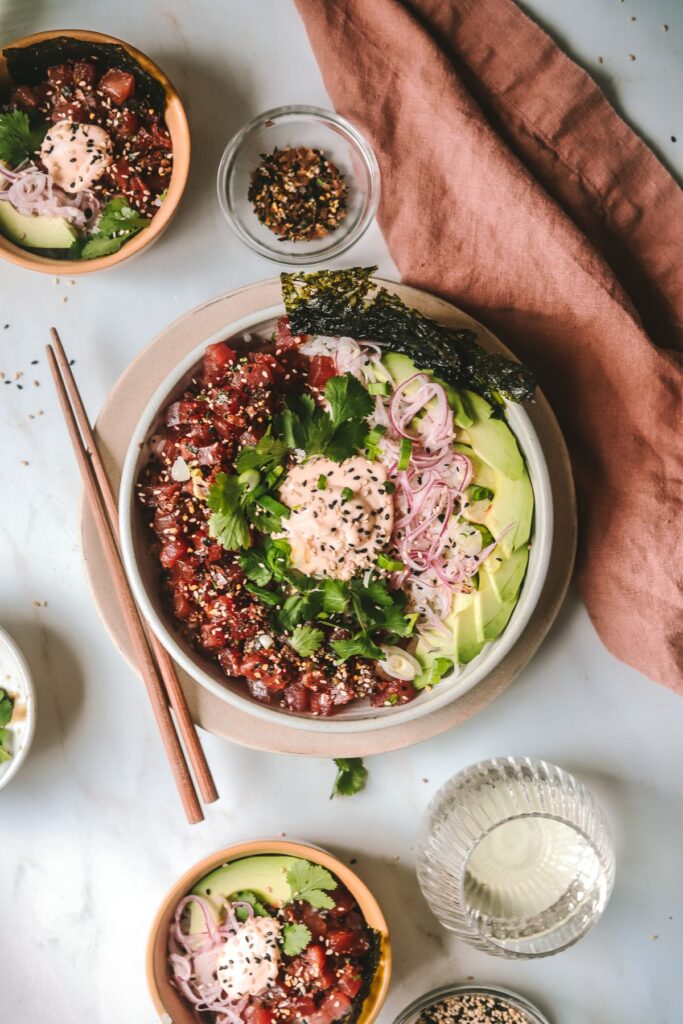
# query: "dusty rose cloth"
{"points": [[512, 187]]}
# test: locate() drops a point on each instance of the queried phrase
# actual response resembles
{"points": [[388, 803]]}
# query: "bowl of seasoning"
{"points": [[471, 1004], [299, 185]]}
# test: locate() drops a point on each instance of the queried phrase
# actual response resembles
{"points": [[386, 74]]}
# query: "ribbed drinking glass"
{"points": [[515, 857]]}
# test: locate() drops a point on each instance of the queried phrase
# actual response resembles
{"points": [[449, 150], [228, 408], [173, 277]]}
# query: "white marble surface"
{"points": [[90, 830]]}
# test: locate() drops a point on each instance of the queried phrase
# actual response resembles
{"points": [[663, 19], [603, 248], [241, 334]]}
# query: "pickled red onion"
{"points": [[32, 192]]}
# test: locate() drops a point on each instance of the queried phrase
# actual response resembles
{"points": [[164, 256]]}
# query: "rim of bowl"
{"points": [[352, 134], [29, 729], [379, 718], [181, 167], [367, 902]]}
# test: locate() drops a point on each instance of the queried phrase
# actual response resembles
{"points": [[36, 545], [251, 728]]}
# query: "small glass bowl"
{"points": [[299, 126], [412, 1013], [515, 856]]}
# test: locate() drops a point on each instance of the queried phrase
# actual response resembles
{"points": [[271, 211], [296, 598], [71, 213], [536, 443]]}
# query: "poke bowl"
{"points": [[336, 569], [266, 932], [94, 152]]}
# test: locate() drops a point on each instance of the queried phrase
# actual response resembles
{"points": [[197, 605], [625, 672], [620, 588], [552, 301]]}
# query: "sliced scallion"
{"points": [[404, 452]]}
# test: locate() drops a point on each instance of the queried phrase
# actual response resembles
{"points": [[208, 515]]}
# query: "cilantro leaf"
{"points": [[295, 938], [308, 882], [360, 646], [339, 433], [119, 215], [335, 597], [265, 456], [348, 399], [17, 138], [277, 556], [102, 245], [299, 608], [295, 421], [241, 913], [435, 673], [228, 524], [306, 640], [347, 439], [253, 565], [375, 593], [351, 776], [119, 221], [6, 708], [394, 621]]}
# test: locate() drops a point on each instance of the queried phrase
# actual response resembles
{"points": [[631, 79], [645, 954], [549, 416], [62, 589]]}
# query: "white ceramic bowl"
{"points": [[15, 678], [359, 717]]}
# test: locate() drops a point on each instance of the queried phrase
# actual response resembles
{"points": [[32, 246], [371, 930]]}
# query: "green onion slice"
{"points": [[404, 453], [390, 564], [249, 479]]}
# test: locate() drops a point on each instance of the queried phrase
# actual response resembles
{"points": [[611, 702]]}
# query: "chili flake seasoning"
{"points": [[298, 193]]}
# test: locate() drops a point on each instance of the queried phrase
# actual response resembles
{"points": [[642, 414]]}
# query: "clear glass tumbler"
{"points": [[515, 857]]}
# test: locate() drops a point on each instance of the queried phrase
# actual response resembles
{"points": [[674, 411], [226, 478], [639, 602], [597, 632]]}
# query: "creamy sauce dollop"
{"points": [[76, 155], [328, 534], [249, 960]]}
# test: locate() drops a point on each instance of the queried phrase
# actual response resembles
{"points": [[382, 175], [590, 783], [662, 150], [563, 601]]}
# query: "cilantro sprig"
{"points": [[237, 505], [119, 221], [311, 883], [352, 776], [241, 913], [295, 938], [18, 139], [338, 433], [228, 523], [369, 609]]}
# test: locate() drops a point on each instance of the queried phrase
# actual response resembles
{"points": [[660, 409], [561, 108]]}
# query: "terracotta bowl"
{"points": [[178, 128], [170, 1004]]}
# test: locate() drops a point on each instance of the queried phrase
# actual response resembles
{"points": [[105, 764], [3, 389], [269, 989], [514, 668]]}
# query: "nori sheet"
{"points": [[348, 303], [27, 65]]}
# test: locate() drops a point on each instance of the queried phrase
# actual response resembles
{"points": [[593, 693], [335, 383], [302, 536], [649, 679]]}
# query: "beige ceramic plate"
{"points": [[176, 122], [167, 1000], [115, 427]]}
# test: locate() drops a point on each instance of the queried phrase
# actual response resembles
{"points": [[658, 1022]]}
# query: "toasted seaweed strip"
{"points": [[348, 303], [369, 972], [27, 65]]}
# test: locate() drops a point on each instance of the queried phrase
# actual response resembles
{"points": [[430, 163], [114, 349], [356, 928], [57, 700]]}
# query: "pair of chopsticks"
{"points": [[156, 666]]}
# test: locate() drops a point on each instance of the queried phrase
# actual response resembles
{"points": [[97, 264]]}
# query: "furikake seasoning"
{"points": [[298, 193]]}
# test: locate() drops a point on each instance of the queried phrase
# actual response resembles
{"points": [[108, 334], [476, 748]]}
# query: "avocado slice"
{"points": [[265, 876], [484, 475], [513, 503], [399, 367], [35, 232], [466, 641], [496, 598], [491, 438], [505, 576]]}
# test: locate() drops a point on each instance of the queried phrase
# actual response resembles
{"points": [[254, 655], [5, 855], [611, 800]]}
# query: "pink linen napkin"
{"points": [[512, 187]]}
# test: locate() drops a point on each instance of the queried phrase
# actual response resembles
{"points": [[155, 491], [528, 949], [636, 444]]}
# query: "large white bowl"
{"points": [[359, 717]]}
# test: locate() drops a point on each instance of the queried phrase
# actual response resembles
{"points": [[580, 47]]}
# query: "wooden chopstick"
{"points": [[186, 726], [155, 690]]}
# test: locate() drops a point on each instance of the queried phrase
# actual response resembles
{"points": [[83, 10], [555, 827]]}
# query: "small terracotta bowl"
{"points": [[171, 1005], [176, 122]]}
